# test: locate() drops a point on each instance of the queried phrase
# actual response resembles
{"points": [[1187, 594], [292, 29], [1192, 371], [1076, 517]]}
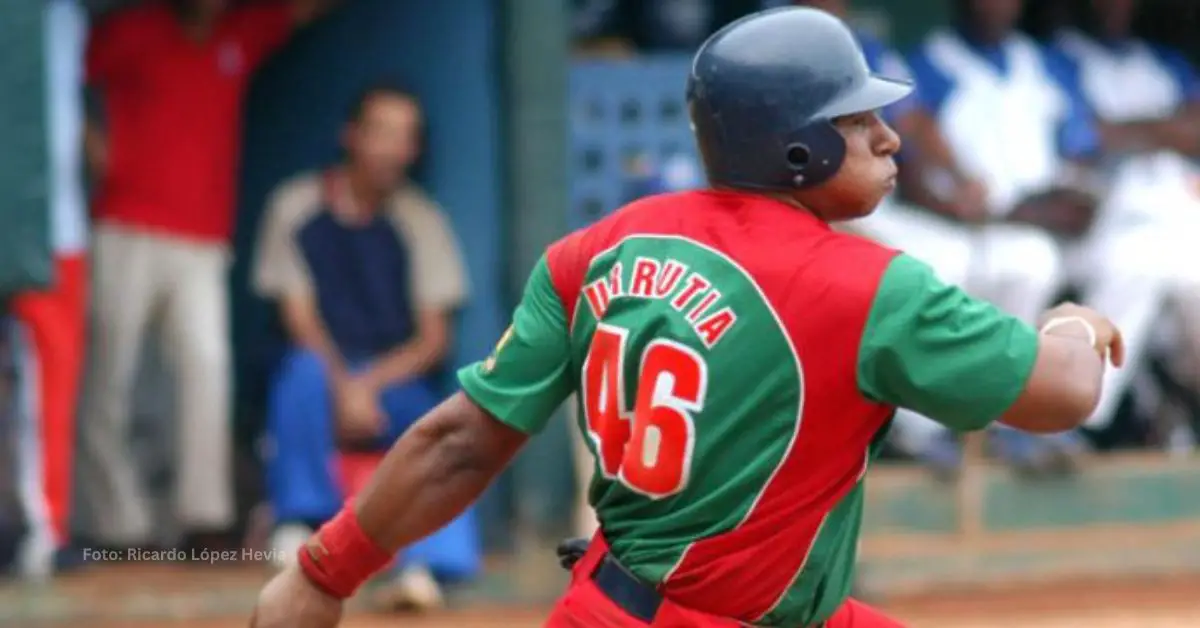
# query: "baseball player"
{"points": [[737, 362]]}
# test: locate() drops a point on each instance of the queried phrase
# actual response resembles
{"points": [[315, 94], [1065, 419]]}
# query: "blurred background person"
{"points": [[170, 77], [1015, 120], [1147, 100], [52, 322], [367, 276]]}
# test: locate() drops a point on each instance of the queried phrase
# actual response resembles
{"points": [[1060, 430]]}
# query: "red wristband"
{"points": [[340, 557]]}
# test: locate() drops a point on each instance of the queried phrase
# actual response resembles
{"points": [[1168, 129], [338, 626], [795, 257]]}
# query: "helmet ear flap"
{"points": [[815, 154], [798, 156]]}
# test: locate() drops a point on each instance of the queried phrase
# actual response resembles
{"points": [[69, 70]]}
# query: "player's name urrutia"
{"points": [[192, 555], [690, 293]]}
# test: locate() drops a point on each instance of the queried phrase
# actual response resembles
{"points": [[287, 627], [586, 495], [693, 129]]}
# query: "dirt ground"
{"points": [[1167, 603]]}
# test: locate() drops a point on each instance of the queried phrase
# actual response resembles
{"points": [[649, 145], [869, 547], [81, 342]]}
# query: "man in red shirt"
{"points": [[171, 76]]}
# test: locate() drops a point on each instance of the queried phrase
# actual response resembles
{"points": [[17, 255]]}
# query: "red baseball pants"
{"points": [[54, 324], [585, 606]]}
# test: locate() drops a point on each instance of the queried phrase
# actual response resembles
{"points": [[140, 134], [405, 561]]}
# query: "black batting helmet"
{"points": [[763, 92]]}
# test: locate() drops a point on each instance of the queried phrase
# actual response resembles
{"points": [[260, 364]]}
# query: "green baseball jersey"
{"points": [[736, 364]]}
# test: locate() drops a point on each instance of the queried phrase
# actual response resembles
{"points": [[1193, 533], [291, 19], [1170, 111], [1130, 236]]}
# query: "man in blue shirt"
{"points": [[1014, 117], [366, 274]]}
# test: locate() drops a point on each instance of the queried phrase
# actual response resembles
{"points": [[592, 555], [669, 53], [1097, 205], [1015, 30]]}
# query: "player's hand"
{"points": [[359, 414], [290, 600], [1109, 344]]}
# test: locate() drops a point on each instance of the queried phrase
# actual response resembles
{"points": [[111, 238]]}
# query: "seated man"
{"points": [[366, 274], [1015, 266], [1012, 117], [1147, 100]]}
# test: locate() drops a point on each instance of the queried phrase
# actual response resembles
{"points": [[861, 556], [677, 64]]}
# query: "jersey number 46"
{"points": [[648, 449]]}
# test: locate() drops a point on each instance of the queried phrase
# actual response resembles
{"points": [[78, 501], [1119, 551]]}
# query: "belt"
{"points": [[628, 593], [631, 595]]}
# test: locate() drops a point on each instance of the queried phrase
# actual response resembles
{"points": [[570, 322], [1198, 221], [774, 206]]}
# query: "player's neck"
{"points": [[791, 201]]}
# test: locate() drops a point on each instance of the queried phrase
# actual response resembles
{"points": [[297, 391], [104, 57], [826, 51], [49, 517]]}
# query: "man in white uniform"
{"points": [[1147, 99], [1008, 111]]}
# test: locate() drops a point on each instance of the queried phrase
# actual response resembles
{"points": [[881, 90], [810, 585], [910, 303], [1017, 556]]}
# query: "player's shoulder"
{"points": [[853, 261], [854, 275], [847, 240], [653, 214], [659, 214]]}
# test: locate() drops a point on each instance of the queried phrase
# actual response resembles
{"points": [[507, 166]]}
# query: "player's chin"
{"points": [[865, 204]]}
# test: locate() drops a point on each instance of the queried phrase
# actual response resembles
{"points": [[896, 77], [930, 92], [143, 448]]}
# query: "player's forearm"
{"points": [[1064, 388], [434, 472]]}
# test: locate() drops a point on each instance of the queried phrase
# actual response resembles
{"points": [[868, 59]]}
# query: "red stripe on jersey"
{"points": [[568, 266], [744, 572]]}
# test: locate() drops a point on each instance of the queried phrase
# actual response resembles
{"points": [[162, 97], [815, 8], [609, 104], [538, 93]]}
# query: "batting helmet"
{"points": [[763, 92]]}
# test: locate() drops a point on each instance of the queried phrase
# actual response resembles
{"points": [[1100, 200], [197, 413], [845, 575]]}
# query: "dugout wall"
{"points": [[24, 223]]}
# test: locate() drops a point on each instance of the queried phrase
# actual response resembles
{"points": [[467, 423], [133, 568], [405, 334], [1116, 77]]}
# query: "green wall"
{"points": [[24, 234]]}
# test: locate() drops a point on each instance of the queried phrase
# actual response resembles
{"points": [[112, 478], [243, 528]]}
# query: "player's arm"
{"points": [[932, 348], [445, 461]]}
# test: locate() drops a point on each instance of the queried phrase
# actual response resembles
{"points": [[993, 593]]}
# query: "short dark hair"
{"points": [[383, 87]]}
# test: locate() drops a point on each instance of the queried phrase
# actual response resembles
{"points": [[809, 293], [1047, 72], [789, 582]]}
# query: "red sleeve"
{"points": [[263, 29], [114, 42]]}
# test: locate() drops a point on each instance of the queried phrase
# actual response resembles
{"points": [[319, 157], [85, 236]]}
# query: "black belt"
{"points": [[627, 592], [630, 594]]}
